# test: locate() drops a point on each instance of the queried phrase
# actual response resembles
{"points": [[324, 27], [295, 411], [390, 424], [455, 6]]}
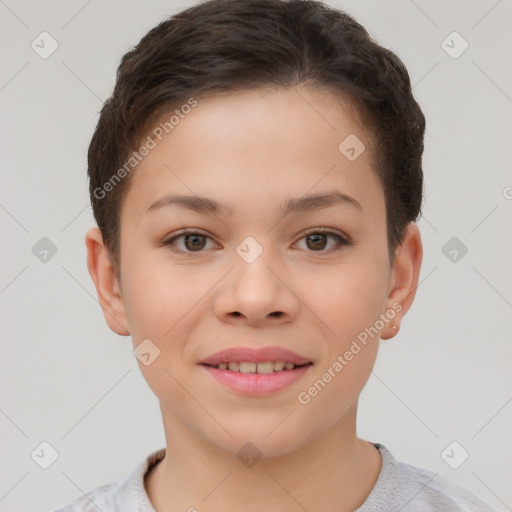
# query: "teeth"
{"points": [[247, 368], [265, 367], [278, 366]]}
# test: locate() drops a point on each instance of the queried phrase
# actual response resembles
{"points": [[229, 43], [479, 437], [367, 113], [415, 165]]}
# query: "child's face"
{"points": [[253, 152]]}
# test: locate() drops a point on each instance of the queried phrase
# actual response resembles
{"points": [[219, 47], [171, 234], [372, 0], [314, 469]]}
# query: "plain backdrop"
{"points": [[69, 381]]}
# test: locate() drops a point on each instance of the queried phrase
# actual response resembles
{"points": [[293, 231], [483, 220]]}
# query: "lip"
{"points": [[251, 355], [257, 383]]}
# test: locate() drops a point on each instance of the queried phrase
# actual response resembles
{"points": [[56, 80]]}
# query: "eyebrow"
{"points": [[307, 203]]}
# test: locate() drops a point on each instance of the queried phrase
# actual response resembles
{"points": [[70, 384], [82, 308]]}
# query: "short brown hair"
{"points": [[225, 45]]}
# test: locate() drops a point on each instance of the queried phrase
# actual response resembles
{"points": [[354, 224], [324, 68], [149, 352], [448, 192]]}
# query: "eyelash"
{"points": [[342, 240]]}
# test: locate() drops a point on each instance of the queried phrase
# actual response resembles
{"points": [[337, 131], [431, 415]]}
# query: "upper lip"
{"points": [[251, 355]]}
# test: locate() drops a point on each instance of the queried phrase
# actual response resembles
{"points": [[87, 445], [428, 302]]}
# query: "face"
{"points": [[270, 266]]}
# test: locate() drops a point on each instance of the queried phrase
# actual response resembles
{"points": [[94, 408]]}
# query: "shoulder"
{"points": [[404, 487], [126, 495], [100, 498]]}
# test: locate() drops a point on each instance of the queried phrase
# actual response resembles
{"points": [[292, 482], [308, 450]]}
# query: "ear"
{"points": [[105, 281], [403, 279]]}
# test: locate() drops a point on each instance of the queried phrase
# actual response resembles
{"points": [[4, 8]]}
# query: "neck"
{"points": [[334, 472]]}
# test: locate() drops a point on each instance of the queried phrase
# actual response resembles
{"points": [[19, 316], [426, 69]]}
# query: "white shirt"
{"points": [[399, 487]]}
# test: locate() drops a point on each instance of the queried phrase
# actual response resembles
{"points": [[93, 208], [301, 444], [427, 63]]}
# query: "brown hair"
{"points": [[225, 45]]}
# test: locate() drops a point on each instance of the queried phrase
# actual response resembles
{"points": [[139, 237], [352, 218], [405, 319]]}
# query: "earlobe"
{"points": [[105, 281], [404, 279]]}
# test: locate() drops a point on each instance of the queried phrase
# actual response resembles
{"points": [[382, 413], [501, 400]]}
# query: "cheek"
{"points": [[348, 298], [150, 308], [159, 296], [349, 305], [353, 303]]}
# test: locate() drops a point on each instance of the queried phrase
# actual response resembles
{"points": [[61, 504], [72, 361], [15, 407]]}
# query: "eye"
{"points": [[193, 241], [316, 239]]}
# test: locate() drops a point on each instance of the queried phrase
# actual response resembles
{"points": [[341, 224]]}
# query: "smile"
{"points": [[251, 367]]}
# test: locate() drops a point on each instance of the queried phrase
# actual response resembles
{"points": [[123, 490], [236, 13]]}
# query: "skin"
{"points": [[253, 150]]}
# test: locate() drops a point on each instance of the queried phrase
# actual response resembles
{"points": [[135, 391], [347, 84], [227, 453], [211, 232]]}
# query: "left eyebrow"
{"points": [[303, 204], [320, 201]]}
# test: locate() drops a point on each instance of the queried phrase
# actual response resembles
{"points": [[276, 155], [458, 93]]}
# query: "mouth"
{"points": [[256, 372], [263, 367], [261, 360]]}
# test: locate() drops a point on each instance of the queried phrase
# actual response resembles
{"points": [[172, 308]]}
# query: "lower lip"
{"points": [[257, 383]]}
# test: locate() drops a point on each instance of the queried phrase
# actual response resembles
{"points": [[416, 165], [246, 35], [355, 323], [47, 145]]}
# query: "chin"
{"points": [[258, 443]]}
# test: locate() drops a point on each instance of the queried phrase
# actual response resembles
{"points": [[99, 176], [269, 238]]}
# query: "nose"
{"points": [[256, 294]]}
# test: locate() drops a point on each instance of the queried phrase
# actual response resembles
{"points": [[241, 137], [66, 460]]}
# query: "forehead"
{"points": [[252, 144]]}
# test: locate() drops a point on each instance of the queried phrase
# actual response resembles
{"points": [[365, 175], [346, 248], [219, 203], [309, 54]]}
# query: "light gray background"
{"points": [[68, 380]]}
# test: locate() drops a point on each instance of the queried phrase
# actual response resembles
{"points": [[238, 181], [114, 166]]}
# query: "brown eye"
{"points": [[317, 240], [194, 242], [191, 242]]}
